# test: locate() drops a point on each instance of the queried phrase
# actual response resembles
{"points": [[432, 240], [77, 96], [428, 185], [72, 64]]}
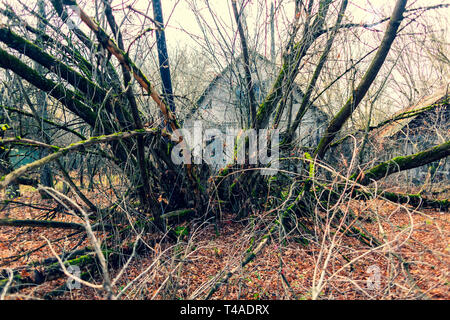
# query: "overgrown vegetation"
{"points": [[80, 97]]}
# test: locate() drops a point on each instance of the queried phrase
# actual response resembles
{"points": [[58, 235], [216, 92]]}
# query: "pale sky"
{"points": [[178, 14], [183, 30], [182, 26]]}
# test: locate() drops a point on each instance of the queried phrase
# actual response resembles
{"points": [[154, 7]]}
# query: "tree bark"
{"points": [[12, 176], [246, 60], [402, 163], [339, 120]]}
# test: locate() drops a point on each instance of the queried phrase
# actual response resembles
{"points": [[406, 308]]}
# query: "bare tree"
{"points": [[100, 95]]}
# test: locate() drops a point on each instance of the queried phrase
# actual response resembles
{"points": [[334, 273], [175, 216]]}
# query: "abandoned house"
{"points": [[417, 128], [224, 103], [409, 131]]}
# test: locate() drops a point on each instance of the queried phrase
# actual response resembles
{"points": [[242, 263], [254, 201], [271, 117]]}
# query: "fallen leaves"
{"points": [[427, 252]]}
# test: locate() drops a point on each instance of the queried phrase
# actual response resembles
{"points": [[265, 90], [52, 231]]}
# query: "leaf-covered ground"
{"points": [[283, 270]]}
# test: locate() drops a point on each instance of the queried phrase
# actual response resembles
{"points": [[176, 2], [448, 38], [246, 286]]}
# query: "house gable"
{"points": [[224, 103]]}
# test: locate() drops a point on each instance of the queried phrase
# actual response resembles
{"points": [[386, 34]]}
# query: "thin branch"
{"points": [[358, 94], [12, 176]]}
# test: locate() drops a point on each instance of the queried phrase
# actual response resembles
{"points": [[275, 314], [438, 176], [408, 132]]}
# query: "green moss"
{"points": [[16, 278], [80, 261], [223, 172], [177, 213], [311, 165], [181, 231]]}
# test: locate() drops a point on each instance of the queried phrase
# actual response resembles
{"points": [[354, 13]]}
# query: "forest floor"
{"points": [[283, 270]]}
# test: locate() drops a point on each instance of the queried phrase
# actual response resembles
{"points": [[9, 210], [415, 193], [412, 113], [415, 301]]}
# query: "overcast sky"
{"points": [[182, 26], [178, 14]]}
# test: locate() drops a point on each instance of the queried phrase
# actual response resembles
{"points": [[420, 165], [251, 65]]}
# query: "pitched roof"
{"points": [[254, 55], [405, 116]]}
